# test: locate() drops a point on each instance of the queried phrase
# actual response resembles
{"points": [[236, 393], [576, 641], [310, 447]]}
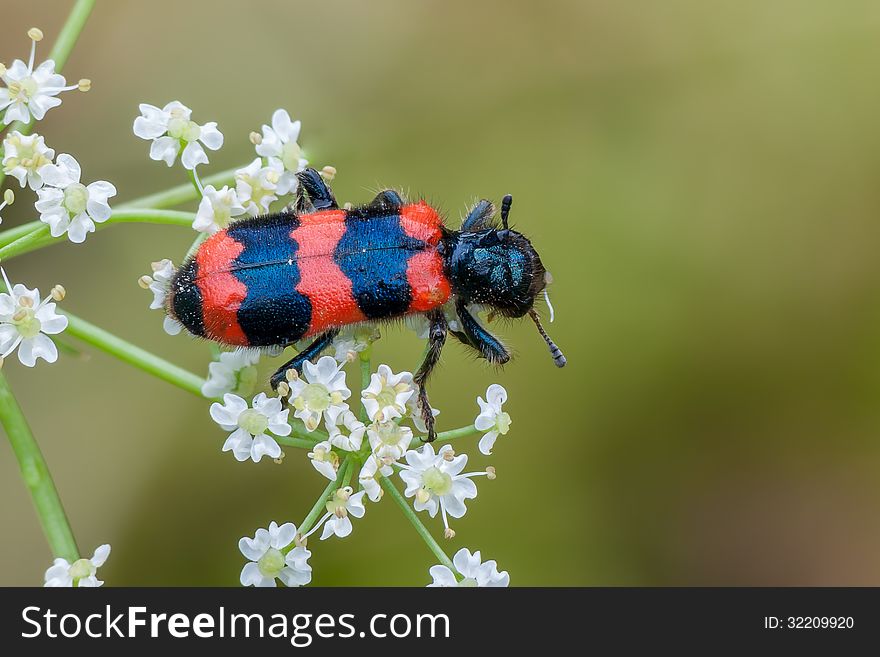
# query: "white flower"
{"points": [[472, 570], [389, 441], [324, 460], [436, 482], [349, 343], [216, 209], [339, 507], [369, 476], [268, 562], [159, 284], [279, 143], [171, 129], [356, 429], [386, 396], [68, 206], [26, 321], [234, 372], [24, 156], [321, 391], [414, 410], [249, 426], [492, 419], [31, 92], [257, 185], [80, 573]]}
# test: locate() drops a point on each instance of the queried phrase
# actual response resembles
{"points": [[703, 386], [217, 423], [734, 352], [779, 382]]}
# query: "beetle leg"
{"points": [[387, 199], [319, 193], [436, 339], [309, 353], [480, 339]]}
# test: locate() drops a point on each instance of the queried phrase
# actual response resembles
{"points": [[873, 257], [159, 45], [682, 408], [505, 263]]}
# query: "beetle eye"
{"points": [[503, 235]]}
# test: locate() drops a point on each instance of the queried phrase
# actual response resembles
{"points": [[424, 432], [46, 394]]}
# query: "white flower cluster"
{"points": [[271, 175], [435, 480], [64, 202]]}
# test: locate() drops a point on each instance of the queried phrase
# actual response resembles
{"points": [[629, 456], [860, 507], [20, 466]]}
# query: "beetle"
{"points": [[272, 280]]}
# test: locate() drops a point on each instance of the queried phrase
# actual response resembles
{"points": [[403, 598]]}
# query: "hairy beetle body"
{"points": [[270, 281]]}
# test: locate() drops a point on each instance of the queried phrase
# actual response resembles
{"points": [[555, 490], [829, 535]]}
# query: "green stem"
{"points": [[9, 236], [38, 234], [182, 193], [320, 504], [313, 437], [349, 472], [302, 443], [410, 514], [452, 434], [36, 476], [133, 355]]}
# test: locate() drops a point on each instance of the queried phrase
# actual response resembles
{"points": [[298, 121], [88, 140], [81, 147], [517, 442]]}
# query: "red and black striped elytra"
{"points": [[273, 280]]}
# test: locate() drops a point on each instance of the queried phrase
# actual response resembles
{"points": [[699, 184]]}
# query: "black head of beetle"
{"points": [[496, 267]]}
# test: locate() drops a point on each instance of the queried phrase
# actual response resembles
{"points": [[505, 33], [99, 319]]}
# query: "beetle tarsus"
{"points": [[436, 340]]}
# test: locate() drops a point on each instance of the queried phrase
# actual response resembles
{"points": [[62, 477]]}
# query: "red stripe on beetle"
{"points": [[222, 292], [422, 222], [424, 270], [430, 288], [321, 279]]}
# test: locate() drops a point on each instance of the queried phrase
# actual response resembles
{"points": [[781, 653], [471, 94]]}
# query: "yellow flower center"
{"points": [[271, 563], [502, 423], [436, 482], [81, 569], [181, 128], [253, 422], [25, 320], [75, 198], [23, 90]]}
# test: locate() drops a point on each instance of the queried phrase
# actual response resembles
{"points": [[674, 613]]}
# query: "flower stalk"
{"points": [[35, 474], [420, 528], [133, 355]]}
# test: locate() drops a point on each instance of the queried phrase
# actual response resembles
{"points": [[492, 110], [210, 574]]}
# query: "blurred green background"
{"points": [[701, 179]]}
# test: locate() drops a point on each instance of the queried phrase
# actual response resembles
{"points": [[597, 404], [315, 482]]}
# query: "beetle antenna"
{"points": [[506, 202], [555, 352]]}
